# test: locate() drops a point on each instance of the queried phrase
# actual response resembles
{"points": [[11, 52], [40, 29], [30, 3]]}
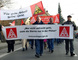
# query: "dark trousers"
{"points": [[69, 45], [50, 44], [39, 46], [10, 47], [32, 43]]}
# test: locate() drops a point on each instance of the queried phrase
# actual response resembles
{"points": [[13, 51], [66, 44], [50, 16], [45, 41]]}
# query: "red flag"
{"points": [[13, 23], [56, 19], [22, 22], [37, 9]]}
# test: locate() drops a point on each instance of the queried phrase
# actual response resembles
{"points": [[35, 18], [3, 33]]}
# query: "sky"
{"points": [[68, 7]]}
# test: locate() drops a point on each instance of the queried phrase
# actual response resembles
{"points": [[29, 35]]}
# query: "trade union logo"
{"points": [[33, 20], [56, 19], [11, 33], [64, 31]]}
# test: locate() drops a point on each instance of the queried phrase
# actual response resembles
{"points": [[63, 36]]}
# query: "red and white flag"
{"points": [[22, 22], [33, 10], [13, 23], [37, 9]]}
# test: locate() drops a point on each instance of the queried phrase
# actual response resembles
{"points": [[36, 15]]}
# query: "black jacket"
{"points": [[38, 23], [10, 41], [72, 23], [50, 23], [0, 27]]}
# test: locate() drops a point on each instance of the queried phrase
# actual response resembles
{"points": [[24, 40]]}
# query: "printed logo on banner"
{"points": [[56, 19], [64, 31], [11, 33], [33, 20], [37, 10]]}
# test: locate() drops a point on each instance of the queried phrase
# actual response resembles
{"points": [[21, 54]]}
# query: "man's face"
{"points": [[38, 19], [69, 18]]}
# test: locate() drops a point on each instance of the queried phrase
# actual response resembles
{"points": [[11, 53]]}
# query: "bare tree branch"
{"points": [[4, 3]]}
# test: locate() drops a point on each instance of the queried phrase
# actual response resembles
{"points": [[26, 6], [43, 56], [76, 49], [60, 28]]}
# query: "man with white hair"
{"points": [[38, 42]]}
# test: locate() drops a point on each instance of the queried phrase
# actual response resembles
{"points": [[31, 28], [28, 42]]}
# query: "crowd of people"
{"points": [[46, 43], [49, 43]]}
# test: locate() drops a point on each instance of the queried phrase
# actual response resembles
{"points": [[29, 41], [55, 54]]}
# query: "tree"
{"points": [[4, 3], [60, 15]]}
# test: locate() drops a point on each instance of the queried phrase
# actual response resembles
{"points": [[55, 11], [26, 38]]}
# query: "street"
{"points": [[58, 54]]}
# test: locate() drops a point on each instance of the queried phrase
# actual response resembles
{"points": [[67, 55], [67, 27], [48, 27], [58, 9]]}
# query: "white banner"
{"points": [[35, 9], [38, 32], [15, 14]]}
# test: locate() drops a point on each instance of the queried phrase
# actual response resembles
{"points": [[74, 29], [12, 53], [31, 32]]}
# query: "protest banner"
{"points": [[38, 32], [45, 19], [33, 10]]}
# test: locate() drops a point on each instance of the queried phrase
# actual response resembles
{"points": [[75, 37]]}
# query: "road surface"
{"points": [[59, 53]]}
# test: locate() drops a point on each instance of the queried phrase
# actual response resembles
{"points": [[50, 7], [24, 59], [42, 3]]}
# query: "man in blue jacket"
{"points": [[38, 42]]}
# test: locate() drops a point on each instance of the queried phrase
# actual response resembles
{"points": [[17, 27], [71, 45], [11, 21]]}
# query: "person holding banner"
{"points": [[24, 43], [51, 41], [10, 43], [0, 31], [38, 42], [70, 41]]}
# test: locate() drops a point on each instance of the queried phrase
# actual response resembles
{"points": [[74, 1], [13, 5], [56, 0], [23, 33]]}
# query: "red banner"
{"points": [[45, 19]]}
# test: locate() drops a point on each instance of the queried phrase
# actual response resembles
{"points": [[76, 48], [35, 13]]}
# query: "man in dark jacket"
{"points": [[10, 44], [0, 27], [70, 41], [0, 32], [51, 41], [38, 42]]}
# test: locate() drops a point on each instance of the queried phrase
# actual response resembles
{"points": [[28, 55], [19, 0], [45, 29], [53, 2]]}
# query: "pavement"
{"points": [[4, 44], [59, 53]]}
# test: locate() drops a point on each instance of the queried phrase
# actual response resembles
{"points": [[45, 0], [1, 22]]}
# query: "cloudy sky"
{"points": [[68, 7]]}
